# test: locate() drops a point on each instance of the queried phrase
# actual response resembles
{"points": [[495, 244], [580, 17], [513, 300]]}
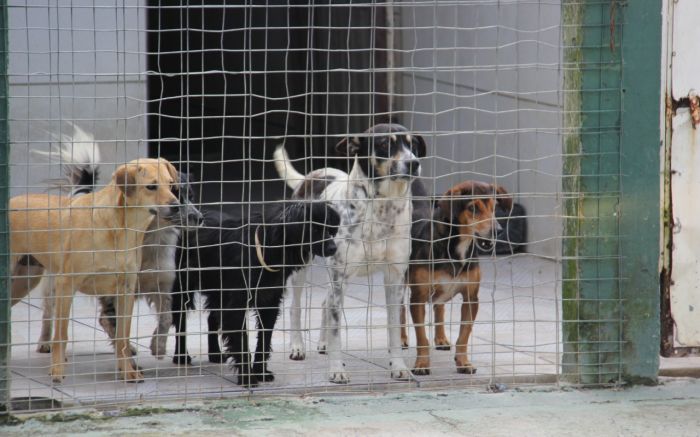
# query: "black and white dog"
{"points": [[374, 202], [80, 158], [241, 264]]}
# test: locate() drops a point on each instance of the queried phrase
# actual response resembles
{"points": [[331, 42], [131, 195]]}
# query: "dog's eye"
{"points": [[151, 187]]}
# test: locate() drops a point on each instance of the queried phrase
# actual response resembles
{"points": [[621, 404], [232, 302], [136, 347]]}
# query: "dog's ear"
{"points": [[449, 207], [348, 146], [125, 178], [505, 200], [171, 170], [418, 146]]}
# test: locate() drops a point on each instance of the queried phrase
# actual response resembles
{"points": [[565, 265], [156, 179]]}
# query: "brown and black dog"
{"points": [[446, 237], [92, 243]]}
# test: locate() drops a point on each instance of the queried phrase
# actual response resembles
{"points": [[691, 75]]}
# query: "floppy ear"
{"points": [[348, 147], [172, 170], [418, 146], [450, 208], [505, 200], [125, 178]]}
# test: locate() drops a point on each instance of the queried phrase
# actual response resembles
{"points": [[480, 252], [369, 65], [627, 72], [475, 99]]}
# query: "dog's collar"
{"points": [[258, 252]]}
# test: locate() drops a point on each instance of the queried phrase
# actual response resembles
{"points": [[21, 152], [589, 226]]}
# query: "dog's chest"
{"points": [[159, 250], [373, 229]]}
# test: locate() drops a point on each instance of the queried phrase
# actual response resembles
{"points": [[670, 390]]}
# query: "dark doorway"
{"points": [[230, 80]]}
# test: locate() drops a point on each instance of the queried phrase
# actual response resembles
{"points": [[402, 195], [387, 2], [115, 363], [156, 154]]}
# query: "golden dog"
{"points": [[92, 243]]}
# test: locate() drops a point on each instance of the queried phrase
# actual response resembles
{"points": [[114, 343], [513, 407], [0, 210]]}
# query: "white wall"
{"points": [[482, 80], [77, 60]]}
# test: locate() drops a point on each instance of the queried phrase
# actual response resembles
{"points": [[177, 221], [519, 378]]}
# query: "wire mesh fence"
{"points": [[470, 90]]}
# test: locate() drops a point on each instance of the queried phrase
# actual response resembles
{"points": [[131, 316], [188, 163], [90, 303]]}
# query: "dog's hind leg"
{"points": [[162, 300], [46, 289], [235, 339], [298, 349], [108, 320], [395, 290], [179, 317], [266, 318], [63, 301]]}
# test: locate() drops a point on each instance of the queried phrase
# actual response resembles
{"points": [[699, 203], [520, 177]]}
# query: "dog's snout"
{"points": [[195, 216], [330, 248], [413, 167]]}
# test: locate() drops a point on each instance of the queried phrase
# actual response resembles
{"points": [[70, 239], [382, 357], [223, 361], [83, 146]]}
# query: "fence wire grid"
{"points": [[214, 88]]}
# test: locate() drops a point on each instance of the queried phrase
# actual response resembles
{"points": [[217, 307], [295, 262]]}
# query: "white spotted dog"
{"points": [[374, 202]]}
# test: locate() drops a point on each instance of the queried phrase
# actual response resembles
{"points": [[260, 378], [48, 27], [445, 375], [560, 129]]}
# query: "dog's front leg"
{"points": [[333, 310], [298, 349], [124, 309], [63, 302], [394, 290]]}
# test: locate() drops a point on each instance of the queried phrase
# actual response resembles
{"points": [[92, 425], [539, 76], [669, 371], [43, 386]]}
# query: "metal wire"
{"points": [[215, 88]]}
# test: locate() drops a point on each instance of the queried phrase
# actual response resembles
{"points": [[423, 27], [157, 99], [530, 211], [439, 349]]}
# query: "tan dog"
{"points": [[92, 243], [445, 263]]}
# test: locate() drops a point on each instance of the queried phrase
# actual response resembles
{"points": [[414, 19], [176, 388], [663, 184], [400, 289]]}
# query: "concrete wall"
{"points": [[481, 81], [77, 60]]}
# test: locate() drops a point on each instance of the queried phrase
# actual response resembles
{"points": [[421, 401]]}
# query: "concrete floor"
{"points": [[667, 409], [516, 340]]}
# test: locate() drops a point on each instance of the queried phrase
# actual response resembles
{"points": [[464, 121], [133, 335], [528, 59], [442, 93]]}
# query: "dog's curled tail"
{"points": [[285, 168], [79, 157]]}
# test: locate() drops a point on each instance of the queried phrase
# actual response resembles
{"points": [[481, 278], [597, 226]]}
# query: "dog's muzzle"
{"points": [[405, 169], [194, 216], [413, 167], [487, 242], [324, 248]]}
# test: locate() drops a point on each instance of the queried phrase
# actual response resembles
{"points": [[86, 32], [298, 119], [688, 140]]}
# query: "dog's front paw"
{"points": [[297, 355], [218, 357], [57, 373], [337, 373], [422, 367], [158, 344], [246, 379], [399, 370], [44, 348], [442, 344], [298, 351], [182, 360], [263, 374], [464, 366], [132, 375]]}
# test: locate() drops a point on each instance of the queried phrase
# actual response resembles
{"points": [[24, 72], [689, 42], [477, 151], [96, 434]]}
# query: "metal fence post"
{"points": [[4, 243], [611, 182]]}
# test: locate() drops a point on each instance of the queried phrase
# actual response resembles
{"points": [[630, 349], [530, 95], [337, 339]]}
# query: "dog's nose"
{"points": [[195, 216], [330, 248], [413, 167]]}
